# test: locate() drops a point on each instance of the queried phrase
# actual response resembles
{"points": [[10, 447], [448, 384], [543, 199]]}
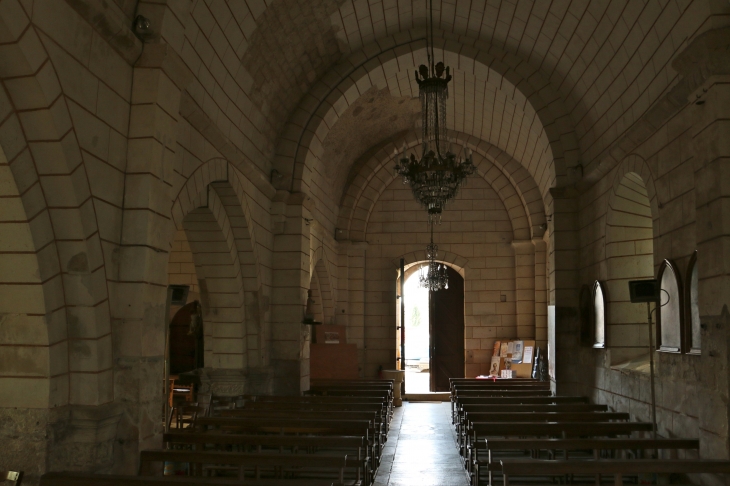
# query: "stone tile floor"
{"points": [[421, 448]]}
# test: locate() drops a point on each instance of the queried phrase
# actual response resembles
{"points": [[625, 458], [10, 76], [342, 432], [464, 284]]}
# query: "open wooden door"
{"points": [[446, 323]]}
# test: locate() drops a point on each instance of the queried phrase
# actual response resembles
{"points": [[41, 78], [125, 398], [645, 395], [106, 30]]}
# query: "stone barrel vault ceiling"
{"points": [[598, 66]]}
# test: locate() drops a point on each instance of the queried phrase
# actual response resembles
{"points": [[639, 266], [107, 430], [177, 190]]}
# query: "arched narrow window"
{"points": [[692, 318], [669, 316], [599, 315]]}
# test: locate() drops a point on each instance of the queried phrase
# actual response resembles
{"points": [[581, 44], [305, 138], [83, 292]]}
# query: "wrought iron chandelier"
{"points": [[436, 176], [435, 277]]}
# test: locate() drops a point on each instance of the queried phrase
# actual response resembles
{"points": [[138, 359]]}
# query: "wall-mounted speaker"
{"points": [[644, 291]]}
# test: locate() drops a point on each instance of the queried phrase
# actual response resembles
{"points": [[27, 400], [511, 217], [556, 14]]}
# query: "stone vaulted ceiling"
{"points": [[607, 61]]}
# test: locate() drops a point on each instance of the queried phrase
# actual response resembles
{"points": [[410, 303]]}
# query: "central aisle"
{"points": [[421, 448]]}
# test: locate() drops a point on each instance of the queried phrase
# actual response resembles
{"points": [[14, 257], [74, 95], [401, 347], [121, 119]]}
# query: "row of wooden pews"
{"points": [[515, 430], [333, 435]]}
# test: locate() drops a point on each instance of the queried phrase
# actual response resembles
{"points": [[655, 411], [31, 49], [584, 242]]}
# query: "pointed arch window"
{"points": [[599, 315], [692, 319], [669, 316]]}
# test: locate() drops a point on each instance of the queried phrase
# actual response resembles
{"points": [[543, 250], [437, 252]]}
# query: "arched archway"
{"points": [[32, 340], [430, 344], [629, 256]]}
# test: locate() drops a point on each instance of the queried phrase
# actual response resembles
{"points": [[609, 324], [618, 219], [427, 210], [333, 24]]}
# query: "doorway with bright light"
{"points": [[417, 336]]}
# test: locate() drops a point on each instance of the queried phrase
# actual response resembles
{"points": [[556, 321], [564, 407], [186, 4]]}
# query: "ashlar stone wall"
{"points": [[475, 237]]}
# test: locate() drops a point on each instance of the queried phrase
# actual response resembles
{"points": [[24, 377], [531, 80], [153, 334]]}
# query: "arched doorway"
{"points": [[186, 339], [432, 332]]}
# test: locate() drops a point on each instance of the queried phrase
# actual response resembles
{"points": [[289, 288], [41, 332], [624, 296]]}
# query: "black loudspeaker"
{"points": [[179, 294], [643, 291]]}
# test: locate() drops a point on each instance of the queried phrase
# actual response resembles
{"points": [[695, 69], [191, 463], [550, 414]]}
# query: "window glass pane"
{"points": [[599, 314], [694, 308], [670, 311]]}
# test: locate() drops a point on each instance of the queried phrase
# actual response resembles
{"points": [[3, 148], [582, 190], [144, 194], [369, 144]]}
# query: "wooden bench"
{"points": [[366, 428], [537, 407], [502, 392], [502, 386], [314, 399], [353, 446], [609, 467], [310, 414], [524, 407], [321, 407], [458, 402], [469, 418], [551, 446], [88, 479], [337, 468], [482, 430]]}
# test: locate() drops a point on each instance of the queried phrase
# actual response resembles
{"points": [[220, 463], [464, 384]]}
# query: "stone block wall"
{"points": [[181, 269], [475, 237]]}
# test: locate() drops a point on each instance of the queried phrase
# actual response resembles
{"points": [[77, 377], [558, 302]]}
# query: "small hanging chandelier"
{"points": [[436, 176], [435, 277]]}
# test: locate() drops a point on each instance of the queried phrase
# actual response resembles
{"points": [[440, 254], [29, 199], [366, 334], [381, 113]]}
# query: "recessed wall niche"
{"points": [[669, 315]]}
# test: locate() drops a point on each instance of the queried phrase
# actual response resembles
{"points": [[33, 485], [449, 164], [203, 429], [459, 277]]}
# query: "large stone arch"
{"points": [[516, 189], [41, 144], [212, 243], [218, 184], [630, 230], [319, 110], [234, 189], [31, 340]]}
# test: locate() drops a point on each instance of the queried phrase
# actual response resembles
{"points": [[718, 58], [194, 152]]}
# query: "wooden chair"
{"points": [[12, 477], [185, 391], [187, 415]]}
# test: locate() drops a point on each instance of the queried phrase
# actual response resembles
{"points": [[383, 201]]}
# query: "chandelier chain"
{"points": [[437, 175], [435, 277]]}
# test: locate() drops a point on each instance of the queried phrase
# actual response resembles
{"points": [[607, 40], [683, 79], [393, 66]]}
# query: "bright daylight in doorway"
{"points": [[417, 336]]}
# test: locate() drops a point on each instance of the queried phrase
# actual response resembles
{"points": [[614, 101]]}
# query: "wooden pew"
{"points": [[469, 418], [376, 417], [313, 399], [353, 446], [502, 392], [336, 467], [540, 385], [610, 467], [482, 430], [552, 446], [548, 407], [366, 428], [457, 403], [88, 479], [322, 407]]}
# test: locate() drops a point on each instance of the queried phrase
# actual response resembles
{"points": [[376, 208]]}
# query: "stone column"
{"points": [[706, 64], [356, 291], [563, 338], [541, 335], [290, 338], [712, 189], [138, 296], [525, 287]]}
